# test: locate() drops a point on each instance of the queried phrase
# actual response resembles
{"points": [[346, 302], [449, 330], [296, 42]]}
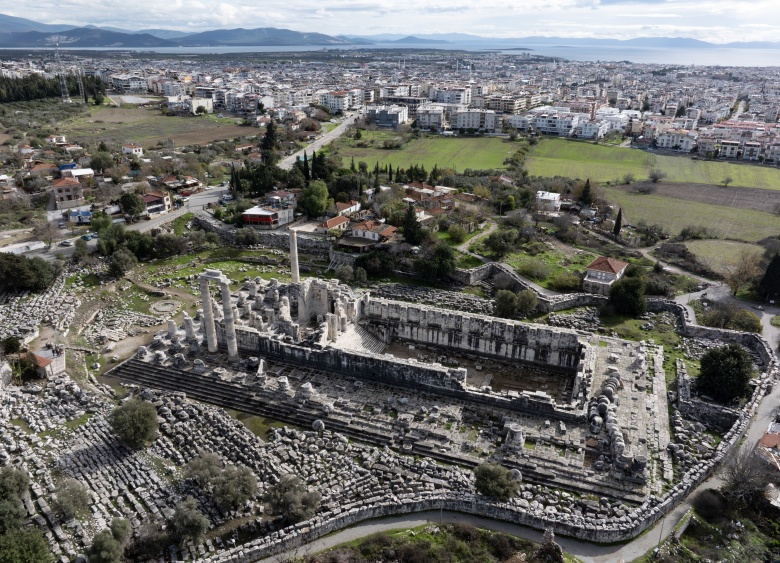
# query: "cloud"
{"points": [[712, 20]]}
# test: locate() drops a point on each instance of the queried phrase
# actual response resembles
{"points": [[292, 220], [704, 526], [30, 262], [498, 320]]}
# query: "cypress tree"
{"points": [[587, 197], [306, 174], [390, 175], [618, 223]]}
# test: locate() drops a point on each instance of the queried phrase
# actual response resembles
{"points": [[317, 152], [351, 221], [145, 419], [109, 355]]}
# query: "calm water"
{"points": [[704, 57]]}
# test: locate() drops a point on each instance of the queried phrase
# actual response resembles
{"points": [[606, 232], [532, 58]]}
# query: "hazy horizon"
{"points": [[715, 21]]}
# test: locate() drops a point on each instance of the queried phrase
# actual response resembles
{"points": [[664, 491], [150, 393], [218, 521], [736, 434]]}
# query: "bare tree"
{"points": [[742, 270], [656, 175], [747, 475], [44, 231]]}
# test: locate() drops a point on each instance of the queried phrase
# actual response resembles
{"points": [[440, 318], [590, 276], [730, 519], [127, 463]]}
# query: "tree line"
{"points": [[37, 87]]}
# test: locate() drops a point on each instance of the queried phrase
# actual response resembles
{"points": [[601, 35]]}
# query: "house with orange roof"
{"points": [[339, 222], [602, 273], [373, 230], [68, 192]]}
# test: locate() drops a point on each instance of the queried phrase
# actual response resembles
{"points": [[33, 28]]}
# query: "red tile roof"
{"points": [[609, 265], [334, 222]]}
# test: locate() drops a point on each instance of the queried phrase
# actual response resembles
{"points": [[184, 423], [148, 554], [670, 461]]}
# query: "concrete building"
{"points": [[387, 116], [267, 217], [602, 273], [475, 120]]}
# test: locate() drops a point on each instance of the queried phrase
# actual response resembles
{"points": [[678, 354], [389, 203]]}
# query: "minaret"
{"points": [[296, 278]]}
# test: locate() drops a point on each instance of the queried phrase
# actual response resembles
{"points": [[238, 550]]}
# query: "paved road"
{"points": [[196, 202], [336, 132]]}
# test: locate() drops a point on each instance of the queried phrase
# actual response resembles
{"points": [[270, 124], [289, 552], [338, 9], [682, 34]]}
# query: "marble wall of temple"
{"points": [[478, 334]]}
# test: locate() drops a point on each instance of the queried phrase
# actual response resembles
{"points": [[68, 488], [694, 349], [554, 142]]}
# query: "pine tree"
{"points": [[587, 197], [618, 223]]}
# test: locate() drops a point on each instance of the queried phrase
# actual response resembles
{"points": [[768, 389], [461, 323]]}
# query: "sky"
{"points": [[717, 21]]}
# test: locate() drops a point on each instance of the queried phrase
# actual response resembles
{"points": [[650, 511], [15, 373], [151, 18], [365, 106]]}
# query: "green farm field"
{"points": [[458, 153], [674, 214], [578, 159], [147, 127], [717, 254]]}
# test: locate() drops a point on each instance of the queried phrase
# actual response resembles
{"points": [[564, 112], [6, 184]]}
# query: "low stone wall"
{"points": [[750, 340], [472, 276], [268, 239]]}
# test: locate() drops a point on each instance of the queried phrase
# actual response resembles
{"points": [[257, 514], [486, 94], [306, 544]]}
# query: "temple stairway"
{"points": [[358, 339]]}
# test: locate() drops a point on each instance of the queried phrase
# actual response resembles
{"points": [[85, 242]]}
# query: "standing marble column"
{"points": [[208, 315], [296, 278], [230, 325]]}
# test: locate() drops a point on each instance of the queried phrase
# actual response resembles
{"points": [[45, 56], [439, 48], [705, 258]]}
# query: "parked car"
{"points": [[87, 236], [60, 225], [66, 243], [208, 188], [227, 198]]}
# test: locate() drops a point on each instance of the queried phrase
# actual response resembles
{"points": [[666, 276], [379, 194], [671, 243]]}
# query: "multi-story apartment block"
{"points": [[751, 150], [338, 101], [452, 95], [729, 149], [505, 104], [678, 140], [128, 84], [432, 116], [387, 116], [475, 120]]}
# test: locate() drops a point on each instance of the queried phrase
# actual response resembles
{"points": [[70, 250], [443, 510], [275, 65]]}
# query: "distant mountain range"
{"points": [[20, 32]]}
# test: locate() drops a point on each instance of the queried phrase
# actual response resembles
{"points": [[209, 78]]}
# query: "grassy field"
{"points": [[577, 159], [148, 126], [675, 214], [457, 153], [716, 254]]}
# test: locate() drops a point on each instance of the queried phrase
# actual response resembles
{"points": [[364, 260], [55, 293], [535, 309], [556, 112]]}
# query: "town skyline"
{"points": [[716, 21]]}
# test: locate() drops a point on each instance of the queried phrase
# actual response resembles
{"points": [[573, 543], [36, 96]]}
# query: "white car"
{"points": [[208, 188], [227, 198]]}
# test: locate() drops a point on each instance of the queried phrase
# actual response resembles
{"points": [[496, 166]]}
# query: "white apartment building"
{"points": [[475, 119], [431, 116], [591, 129], [339, 101], [451, 95], [127, 83], [173, 89], [677, 139], [729, 149]]}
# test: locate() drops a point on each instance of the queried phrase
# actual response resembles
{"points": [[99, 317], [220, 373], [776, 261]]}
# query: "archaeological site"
{"points": [[383, 400]]}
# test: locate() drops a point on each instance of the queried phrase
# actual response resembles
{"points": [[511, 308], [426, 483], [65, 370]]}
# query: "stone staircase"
{"points": [[358, 339]]}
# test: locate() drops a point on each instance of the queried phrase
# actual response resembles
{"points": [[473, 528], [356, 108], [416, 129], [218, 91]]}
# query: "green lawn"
{"points": [[716, 254], [578, 159], [457, 153], [556, 262], [675, 214]]}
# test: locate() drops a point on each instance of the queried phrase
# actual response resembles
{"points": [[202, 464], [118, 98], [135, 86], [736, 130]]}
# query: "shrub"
{"points": [[135, 423], [457, 234], [725, 373], [565, 281], [534, 268], [495, 481]]}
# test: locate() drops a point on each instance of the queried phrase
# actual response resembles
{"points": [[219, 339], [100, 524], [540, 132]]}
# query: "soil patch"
{"points": [[745, 198]]}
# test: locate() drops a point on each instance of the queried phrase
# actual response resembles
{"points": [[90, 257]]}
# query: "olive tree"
{"points": [[135, 423]]}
